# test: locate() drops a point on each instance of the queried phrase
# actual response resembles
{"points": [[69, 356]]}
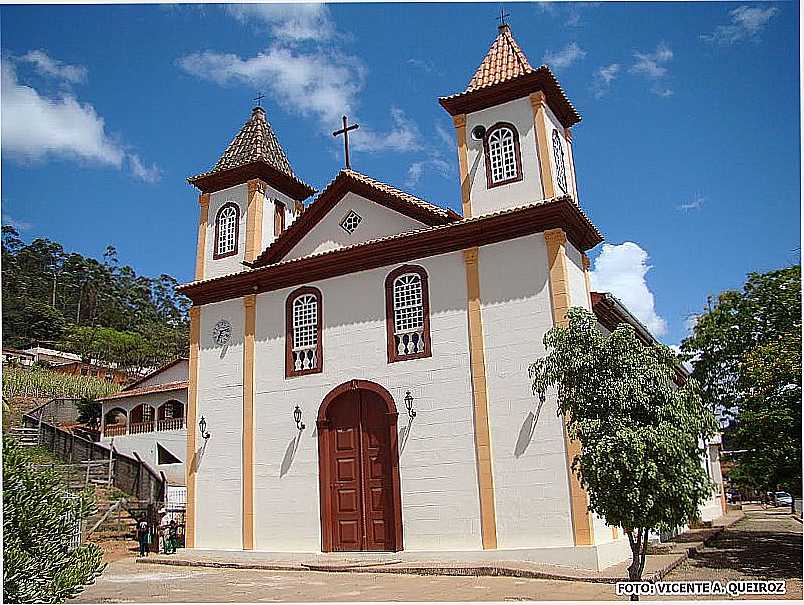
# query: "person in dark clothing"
{"points": [[142, 536]]}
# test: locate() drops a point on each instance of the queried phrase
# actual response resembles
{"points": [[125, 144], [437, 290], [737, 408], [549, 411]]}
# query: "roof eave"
{"points": [[210, 182], [515, 88]]}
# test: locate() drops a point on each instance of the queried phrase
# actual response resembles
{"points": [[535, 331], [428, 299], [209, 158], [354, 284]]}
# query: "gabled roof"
{"points": [[155, 388], [350, 181], [504, 75], [559, 212], [156, 372], [254, 149]]}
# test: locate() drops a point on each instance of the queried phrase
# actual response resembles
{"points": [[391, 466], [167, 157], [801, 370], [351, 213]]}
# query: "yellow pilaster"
{"points": [[192, 420], [249, 304], [556, 240], [537, 100], [256, 202], [463, 163], [203, 221], [477, 360]]}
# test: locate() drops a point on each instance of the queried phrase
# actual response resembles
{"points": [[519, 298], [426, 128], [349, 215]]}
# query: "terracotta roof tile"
{"points": [[256, 142], [390, 189], [157, 388], [504, 61]]}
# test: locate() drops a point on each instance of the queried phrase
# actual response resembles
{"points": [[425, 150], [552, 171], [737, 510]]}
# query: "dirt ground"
{"points": [[764, 545]]}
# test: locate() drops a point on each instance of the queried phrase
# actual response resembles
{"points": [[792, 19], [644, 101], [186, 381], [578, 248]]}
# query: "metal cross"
{"points": [[502, 16], [345, 132], [259, 99]]}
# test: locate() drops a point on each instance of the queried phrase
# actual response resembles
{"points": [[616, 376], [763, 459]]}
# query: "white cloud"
{"points": [[652, 66], [435, 164], [292, 22], [565, 57], [34, 126], [48, 66], [18, 225], [621, 270], [403, 136], [320, 84], [149, 174], [695, 203], [446, 136], [689, 323], [746, 23], [603, 78]]}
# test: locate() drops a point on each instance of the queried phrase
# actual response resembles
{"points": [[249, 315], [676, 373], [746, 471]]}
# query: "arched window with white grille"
{"points": [[304, 345], [503, 162], [558, 157], [407, 313], [227, 230]]}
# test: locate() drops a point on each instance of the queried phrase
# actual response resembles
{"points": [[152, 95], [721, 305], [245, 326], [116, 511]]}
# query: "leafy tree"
{"points": [[640, 434], [746, 352], [38, 521]]}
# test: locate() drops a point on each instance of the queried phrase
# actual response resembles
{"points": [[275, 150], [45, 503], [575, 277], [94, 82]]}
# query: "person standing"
{"points": [[142, 536], [173, 531]]}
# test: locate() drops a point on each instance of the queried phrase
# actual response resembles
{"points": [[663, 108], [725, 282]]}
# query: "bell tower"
{"points": [[513, 132], [247, 200]]}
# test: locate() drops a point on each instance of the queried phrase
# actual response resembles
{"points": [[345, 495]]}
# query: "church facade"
{"points": [[361, 364]]}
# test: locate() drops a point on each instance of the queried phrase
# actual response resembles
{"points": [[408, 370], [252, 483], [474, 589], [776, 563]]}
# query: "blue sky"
{"points": [[687, 156]]}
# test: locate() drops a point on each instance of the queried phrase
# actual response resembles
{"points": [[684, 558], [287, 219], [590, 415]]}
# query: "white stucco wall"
{"points": [[552, 123], [378, 221], [220, 400], [529, 460], [230, 264], [175, 373], [271, 195], [175, 441], [518, 112]]}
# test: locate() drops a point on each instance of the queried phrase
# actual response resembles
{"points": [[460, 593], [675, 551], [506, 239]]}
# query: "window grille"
{"points": [[303, 341], [305, 322], [408, 305], [227, 230], [351, 221], [502, 155], [558, 154]]}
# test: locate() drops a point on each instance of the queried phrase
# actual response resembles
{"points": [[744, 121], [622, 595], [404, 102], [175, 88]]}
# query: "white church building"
{"points": [[361, 363]]}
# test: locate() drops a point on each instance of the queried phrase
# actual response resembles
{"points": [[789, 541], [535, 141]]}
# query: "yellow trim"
{"points": [[463, 163], [250, 308], [477, 360], [203, 220], [556, 240], [586, 265], [256, 201], [191, 463], [537, 102], [614, 533]]}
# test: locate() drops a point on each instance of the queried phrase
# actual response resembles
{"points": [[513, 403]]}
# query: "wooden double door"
{"points": [[361, 462]]}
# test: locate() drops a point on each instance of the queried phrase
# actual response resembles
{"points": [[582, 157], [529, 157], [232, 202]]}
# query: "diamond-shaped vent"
{"points": [[351, 221]]}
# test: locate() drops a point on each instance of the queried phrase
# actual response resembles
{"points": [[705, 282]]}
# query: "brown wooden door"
{"points": [[362, 511]]}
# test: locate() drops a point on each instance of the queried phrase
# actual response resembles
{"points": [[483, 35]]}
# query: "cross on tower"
{"points": [[259, 99], [502, 16], [345, 132]]}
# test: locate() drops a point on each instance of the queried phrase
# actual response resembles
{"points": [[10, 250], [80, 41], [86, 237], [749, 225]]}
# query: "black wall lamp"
{"points": [[409, 405], [202, 424], [297, 414]]}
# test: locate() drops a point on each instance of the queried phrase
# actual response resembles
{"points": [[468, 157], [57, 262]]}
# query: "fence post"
{"points": [[138, 477], [111, 462], [39, 428], [86, 481]]}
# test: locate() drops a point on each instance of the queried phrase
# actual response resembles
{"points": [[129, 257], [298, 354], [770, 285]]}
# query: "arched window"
{"points": [[303, 340], [558, 156], [227, 230], [407, 313], [503, 162]]}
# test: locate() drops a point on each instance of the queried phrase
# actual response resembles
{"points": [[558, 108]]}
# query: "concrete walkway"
{"points": [[450, 564]]}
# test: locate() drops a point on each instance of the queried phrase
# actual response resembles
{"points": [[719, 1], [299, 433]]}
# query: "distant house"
{"points": [[68, 363], [147, 418]]}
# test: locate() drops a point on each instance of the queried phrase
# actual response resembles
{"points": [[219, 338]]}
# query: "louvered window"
{"points": [[503, 164], [408, 314], [558, 156], [304, 332], [226, 230]]}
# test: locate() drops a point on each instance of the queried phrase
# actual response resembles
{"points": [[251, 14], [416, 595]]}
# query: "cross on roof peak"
{"points": [[259, 99], [502, 17]]}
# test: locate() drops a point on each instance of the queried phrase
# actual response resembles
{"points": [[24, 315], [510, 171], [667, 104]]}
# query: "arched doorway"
{"points": [[358, 468]]}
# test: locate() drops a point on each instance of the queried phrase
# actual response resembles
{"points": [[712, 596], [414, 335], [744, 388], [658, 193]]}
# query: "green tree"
{"points": [[746, 352], [640, 434], [38, 520]]}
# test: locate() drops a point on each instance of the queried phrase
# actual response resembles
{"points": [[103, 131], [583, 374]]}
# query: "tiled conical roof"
{"points": [[254, 153], [504, 61], [256, 141]]}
